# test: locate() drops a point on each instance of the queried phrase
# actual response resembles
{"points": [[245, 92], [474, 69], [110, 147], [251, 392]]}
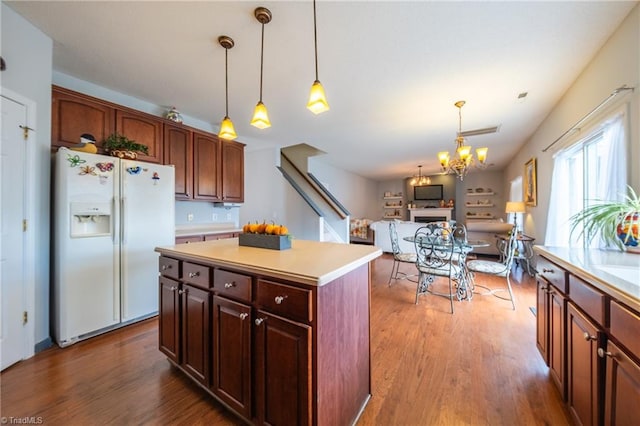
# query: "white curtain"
{"points": [[599, 158]]}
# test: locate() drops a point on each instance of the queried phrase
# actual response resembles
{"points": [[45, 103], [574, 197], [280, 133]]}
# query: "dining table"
{"points": [[462, 248]]}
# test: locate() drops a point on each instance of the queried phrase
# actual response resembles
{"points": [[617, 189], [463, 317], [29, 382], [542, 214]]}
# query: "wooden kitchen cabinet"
{"points": [[144, 129], [232, 162], [213, 237], [542, 315], [169, 319], [622, 389], [584, 367], [178, 151], [195, 333], [231, 382], [283, 370], [73, 114], [206, 167], [189, 239]]}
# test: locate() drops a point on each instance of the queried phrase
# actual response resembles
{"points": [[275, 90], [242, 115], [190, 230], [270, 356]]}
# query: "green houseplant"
{"points": [[120, 146], [616, 221]]}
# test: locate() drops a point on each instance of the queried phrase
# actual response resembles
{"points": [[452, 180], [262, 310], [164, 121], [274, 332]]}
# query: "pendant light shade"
{"points": [[226, 127], [317, 98], [260, 115]]}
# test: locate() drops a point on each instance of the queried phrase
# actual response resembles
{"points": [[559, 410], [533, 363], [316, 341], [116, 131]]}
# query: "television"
{"points": [[428, 192]]}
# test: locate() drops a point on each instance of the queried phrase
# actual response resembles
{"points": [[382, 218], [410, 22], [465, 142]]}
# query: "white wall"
{"points": [[617, 63], [28, 56]]}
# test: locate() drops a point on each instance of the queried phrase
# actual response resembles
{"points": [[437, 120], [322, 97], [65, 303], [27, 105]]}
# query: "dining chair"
{"points": [[435, 257], [399, 257], [500, 268]]}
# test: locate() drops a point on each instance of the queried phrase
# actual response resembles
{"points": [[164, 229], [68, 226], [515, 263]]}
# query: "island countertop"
{"points": [[307, 262]]}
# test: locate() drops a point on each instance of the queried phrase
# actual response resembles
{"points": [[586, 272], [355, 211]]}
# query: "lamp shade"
{"points": [[260, 117], [226, 129], [515, 207], [317, 99], [482, 154]]}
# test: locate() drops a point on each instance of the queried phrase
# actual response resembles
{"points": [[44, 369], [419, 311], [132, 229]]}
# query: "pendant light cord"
{"points": [[226, 82], [261, 60], [315, 36]]}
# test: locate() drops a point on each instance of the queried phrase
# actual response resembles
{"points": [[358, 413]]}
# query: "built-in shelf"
{"points": [[479, 205], [392, 198], [477, 194], [392, 207]]}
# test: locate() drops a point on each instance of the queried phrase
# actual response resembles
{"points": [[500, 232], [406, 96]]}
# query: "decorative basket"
{"points": [[125, 155], [273, 242]]}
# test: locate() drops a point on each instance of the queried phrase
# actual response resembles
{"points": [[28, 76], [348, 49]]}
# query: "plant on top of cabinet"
{"points": [[122, 147], [616, 221]]}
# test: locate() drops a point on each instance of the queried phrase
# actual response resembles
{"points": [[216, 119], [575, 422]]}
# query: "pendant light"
{"points": [[260, 115], [226, 127], [317, 99]]}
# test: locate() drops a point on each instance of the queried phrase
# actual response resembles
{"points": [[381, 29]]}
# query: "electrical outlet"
{"points": [[190, 217], [214, 217]]}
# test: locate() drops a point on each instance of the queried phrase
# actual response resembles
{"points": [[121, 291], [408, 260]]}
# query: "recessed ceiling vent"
{"points": [[476, 132]]}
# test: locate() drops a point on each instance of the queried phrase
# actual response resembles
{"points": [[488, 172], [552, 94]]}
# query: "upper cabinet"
{"points": [[206, 168], [73, 114], [142, 128]]}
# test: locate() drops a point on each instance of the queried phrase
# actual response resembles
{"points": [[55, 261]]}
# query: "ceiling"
{"points": [[391, 70]]}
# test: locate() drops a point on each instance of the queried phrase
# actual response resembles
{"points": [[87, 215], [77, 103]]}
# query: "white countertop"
{"points": [[206, 229], [612, 271], [307, 262]]}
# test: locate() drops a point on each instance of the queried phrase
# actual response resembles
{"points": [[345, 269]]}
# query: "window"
{"points": [[592, 169]]}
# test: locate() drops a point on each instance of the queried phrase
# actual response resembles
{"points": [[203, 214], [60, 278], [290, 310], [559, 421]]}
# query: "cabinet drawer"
{"points": [[625, 327], [196, 274], [587, 298], [552, 273], [284, 300], [169, 267], [189, 239], [233, 285]]}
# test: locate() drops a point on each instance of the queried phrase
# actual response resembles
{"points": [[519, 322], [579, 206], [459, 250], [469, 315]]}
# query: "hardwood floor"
{"points": [[479, 366]]}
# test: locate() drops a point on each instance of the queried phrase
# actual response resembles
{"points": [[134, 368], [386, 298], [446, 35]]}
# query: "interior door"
{"points": [[12, 166]]}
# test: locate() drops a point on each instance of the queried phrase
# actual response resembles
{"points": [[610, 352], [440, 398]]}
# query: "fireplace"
{"points": [[427, 215], [429, 219]]}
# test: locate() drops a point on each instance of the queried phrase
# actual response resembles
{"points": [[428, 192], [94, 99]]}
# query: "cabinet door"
{"points": [[178, 151], [73, 114], [232, 171], [622, 391], [283, 371], [169, 319], [557, 335], [206, 167], [542, 321], [583, 367], [231, 381], [189, 239], [195, 333], [142, 128]]}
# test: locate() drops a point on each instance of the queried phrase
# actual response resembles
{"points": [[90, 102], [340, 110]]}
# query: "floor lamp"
{"points": [[515, 207]]}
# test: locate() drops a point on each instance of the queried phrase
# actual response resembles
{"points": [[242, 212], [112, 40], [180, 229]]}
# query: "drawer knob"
{"points": [[259, 321], [548, 271], [587, 337], [244, 316], [165, 267], [279, 299], [194, 274], [602, 353], [182, 291], [229, 285], [174, 288]]}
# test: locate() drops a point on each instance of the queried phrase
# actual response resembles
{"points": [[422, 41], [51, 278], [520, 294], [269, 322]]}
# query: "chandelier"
{"points": [[419, 180], [463, 158]]}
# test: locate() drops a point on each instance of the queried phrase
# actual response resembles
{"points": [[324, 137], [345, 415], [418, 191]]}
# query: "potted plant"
{"points": [[122, 147], [616, 221]]}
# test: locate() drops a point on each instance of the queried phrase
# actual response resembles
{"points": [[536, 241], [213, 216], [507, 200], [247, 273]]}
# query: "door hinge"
{"points": [[24, 225], [25, 317]]}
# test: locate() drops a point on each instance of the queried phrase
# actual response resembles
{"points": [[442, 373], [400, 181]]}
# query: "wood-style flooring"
{"points": [[479, 366]]}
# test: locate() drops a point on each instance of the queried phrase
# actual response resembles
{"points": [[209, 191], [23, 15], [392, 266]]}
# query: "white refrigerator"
{"points": [[109, 216]]}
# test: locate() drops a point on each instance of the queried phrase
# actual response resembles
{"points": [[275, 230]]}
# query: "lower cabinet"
{"points": [[590, 340], [169, 319], [231, 325], [195, 332], [584, 367], [283, 370]]}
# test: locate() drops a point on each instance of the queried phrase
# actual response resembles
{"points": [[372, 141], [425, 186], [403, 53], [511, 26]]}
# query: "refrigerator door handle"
{"points": [[114, 225], [123, 221]]}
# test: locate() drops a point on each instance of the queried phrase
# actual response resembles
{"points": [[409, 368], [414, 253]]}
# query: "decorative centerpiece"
{"points": [[174, 115], [618, 222], [264, 235], [120, 146]]}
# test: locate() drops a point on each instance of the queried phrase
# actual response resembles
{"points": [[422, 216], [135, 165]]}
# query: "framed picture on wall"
{"points": [[530, 184]]}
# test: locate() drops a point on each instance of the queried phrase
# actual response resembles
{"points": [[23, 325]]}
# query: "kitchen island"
{"points": [[278, 336]]}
